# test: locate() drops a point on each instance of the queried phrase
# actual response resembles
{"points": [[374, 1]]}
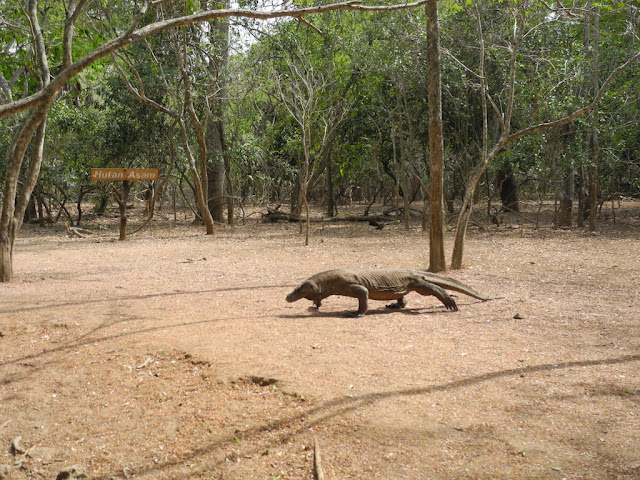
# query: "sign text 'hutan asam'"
{"points": [[130, 174]]}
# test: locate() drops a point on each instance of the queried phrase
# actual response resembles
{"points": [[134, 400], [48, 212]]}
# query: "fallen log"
{"points": [[361, 218], [273, 215], [379, 221], [77, 231]]}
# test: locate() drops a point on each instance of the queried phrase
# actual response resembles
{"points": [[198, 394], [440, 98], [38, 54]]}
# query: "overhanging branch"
{"points": [[572, 116], [129, 37]]}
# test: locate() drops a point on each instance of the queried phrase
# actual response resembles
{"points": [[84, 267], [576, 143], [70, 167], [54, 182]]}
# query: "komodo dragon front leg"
{"points": [[427, 289], [362, 294]]}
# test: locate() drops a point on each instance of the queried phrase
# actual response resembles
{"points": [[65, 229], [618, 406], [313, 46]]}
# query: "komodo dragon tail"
{"points": [[451, 284]]}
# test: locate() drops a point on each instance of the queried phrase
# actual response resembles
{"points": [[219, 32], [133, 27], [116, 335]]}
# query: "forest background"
{"points": [[266, 103]]}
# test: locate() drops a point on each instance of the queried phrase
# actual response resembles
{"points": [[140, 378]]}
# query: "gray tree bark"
{"points": [[216, 141]]}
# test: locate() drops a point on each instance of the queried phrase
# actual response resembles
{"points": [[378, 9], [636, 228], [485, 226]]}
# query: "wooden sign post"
{"points": [[125, 175]]}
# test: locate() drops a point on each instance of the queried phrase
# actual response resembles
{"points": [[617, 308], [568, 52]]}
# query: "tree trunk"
{"points": [[199, 170], [331, 201], [505, 125], [508, 189], [30, 213], [40, 202], [7, 237], [199, 184], [583, 192], [595, 142], [216, 142], [436, 144], [465, 215], [14, 201], [565, 209], [216, 178], [122, 198]]}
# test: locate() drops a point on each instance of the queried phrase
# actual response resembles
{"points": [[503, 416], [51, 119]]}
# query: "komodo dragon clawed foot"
{"points": [[401, 303], [380, 285]]}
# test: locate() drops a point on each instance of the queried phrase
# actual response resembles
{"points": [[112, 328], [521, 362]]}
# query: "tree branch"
{"points": [[140, 94], [73, 12], [131, 36], [580, 111]]}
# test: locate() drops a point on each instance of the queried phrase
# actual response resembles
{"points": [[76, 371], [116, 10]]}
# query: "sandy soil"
{"points": [[173, 355]]}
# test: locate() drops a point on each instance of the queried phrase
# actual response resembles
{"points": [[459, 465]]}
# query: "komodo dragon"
{"points": [[380, 285]]}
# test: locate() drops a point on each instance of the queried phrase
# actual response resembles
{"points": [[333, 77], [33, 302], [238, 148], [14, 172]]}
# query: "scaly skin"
{"points": [[380, 285]]}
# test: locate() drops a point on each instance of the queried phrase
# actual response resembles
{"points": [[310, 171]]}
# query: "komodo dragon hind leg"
{"points": [[426, 288], [401, 303]]}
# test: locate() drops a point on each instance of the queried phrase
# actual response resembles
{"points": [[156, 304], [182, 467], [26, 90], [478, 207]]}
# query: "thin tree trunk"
{"points": [[216, 142], [198, 183], [465, 215], [200, 175], [476, 173], [331, 201], [583, 191], [305, 183], [565, 209], [436, 144], [505, 123], [595, 143], [122, 198], [216, 176]]}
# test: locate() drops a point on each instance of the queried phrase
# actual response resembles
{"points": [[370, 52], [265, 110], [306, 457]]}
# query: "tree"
{"points": [[436, 145], [14, 203], [216, 51], [504, 115], [315, 96], [182, 111]]}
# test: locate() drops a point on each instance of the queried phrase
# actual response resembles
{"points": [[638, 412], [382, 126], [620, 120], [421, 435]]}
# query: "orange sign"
{"points": [[130, 174]]}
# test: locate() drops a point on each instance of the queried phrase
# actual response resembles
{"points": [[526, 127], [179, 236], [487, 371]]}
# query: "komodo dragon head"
{"points": [[308, 290]]}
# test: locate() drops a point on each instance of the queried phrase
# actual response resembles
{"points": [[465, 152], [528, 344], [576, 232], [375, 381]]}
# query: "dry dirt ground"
{"points": [[174, 355]]}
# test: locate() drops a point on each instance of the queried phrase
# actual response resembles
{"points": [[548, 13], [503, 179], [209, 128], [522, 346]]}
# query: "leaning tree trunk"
{"points": [[478, 170], [199, 171], [465, 214], [15, 202]]}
